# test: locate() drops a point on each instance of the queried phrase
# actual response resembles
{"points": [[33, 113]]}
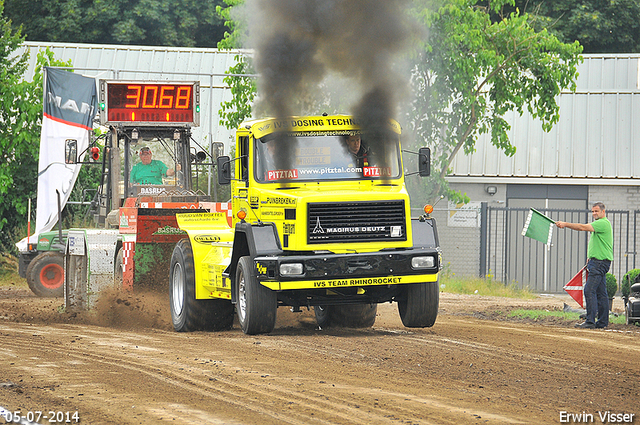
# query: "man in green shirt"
{"points": [[599, 257], [148, 170]]}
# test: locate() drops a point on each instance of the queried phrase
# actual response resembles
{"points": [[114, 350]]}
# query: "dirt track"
{"points": [[125, 365]]}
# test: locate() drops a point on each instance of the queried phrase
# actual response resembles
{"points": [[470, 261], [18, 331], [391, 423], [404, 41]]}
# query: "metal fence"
{"points": [[507, 256]]}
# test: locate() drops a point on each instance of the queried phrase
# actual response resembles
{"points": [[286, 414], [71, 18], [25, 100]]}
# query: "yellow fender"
{"points": [[211, 241]]}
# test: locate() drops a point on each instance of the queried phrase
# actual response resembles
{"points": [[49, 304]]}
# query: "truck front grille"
{"points": [[370, 221]]}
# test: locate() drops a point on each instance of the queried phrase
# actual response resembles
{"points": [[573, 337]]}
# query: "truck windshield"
{"points": [[324, 157]]}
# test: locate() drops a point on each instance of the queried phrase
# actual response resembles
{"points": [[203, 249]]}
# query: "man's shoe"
{"points": [[585, 325], [600, 326]]}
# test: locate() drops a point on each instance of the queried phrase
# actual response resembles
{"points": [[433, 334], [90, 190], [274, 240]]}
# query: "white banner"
{"points": [[69, 107]]}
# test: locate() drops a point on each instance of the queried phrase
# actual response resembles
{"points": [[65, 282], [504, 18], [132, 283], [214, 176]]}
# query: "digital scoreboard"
{"points": [[143, 103]]}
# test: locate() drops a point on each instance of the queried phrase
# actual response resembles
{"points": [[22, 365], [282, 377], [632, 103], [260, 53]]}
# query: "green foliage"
{"points": [[243, 91], [470, 70], [239, 79], [628, 279], [145, 22], [599, 26], [231, 38], [612, 285], [20, 123]]}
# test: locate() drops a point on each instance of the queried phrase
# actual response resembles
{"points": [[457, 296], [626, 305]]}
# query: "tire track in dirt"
{"points": [[193, 380], [342, 404], [463, 370]]}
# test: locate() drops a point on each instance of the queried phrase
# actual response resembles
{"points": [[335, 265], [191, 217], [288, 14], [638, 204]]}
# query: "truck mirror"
{"points": [[224, 170], [201, 156], [71, 151], [424, 162]]}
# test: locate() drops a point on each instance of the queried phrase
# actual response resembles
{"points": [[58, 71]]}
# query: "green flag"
{"points": [[538, 226]]}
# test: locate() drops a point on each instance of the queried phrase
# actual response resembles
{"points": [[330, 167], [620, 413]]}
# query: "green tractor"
{"points": [[43, 264]]}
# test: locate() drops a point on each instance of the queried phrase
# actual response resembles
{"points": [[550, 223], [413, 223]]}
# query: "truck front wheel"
{"points": [[45, 274], [418, 305], [256, 304], [188, 313]]}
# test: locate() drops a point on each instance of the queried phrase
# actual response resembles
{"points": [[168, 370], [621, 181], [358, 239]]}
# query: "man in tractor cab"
{"points": [[148, 170]]}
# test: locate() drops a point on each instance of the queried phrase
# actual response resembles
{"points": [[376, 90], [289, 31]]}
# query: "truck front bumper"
{"points": [[327, 270]]}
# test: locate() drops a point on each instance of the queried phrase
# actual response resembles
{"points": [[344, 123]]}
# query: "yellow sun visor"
{"points": [[311, 124]]}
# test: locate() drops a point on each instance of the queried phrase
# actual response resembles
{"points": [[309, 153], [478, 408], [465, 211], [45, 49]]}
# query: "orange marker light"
{"points": [[428, 209], [242, 214]]}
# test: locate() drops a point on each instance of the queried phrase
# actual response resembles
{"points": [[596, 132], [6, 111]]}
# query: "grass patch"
{"points": [[9, 271], [480, 286], [542, 314], [539, 314]]}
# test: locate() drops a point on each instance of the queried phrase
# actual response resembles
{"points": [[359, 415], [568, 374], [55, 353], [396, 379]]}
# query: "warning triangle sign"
{"points": [[575, 287]]}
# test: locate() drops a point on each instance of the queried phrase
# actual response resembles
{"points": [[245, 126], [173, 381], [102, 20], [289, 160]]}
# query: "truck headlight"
{"points": [[427, 262], [291, 269]]}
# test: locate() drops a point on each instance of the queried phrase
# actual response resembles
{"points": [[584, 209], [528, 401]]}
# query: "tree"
{"points": [[20, 123], [14, 146], [145, 22], [240, 79], [601, 26], [471, 70]]}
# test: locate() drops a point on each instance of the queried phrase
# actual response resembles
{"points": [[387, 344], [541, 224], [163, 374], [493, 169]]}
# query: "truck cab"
{"points": [[322, 219]]}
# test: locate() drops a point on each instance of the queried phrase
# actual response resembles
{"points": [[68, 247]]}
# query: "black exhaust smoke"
{"points": [[299, 42]]}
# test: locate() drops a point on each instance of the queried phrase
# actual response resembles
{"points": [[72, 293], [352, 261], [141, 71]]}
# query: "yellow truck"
{"points": [[319, 217]]}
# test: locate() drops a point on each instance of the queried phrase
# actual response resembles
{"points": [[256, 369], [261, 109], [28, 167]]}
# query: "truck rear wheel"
{"points": [[256, 304], [187, 313], [347, 315], [418, 306], [45, 274], [118, 269]]}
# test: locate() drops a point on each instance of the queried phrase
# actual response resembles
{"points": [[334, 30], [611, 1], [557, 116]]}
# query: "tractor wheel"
{"points": [[187, 313], [45, 274], [256, 304], [418, 305], [347, 315]]}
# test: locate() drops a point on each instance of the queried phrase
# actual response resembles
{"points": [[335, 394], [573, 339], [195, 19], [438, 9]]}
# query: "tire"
{"points": [[347, 315], [323, 315], [118, 269], [627, 313], [256, 304], [418, 306], [45, 274], [187, 313]]}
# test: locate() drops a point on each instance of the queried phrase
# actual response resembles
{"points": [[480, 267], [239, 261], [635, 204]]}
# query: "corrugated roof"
{"points": [[597, 136], [153, 63]]}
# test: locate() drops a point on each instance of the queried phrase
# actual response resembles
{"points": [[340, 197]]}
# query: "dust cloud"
{"points": [[300, 45], [139, 309]]}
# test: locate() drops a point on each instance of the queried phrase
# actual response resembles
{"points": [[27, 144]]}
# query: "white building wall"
{"points": [[150, 63]]}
